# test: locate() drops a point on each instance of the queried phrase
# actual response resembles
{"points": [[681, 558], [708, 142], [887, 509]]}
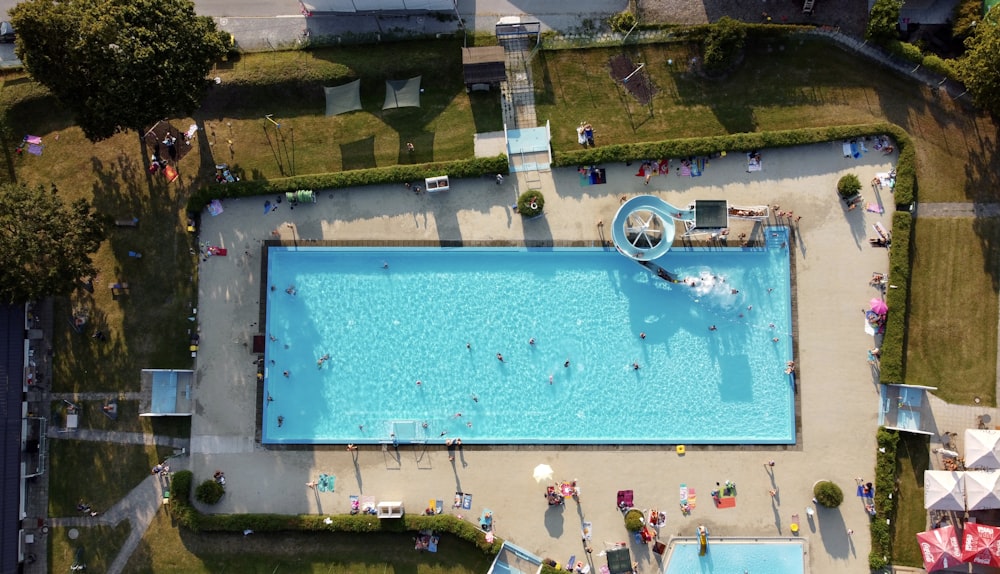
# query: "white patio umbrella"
{"points": [[982, 489], [944, 490], [982, 448], [543, 472]]}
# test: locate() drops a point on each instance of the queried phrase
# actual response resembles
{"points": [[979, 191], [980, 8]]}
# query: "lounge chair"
{"points": [[624, 500], [795, 524]]}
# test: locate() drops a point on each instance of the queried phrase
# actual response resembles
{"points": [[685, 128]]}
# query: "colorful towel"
{"points": [[684, 493], [873, 207], [587, 530], [432, 545], [33, 140], [467, 502], [686, 170], [35, 149], [727, 502], [692, 498], [368, 503], [170, 173], [438, 506], [215, 207], [355, 503]]}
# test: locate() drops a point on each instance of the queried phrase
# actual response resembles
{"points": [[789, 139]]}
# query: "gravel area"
{"points": [[851, 16]]}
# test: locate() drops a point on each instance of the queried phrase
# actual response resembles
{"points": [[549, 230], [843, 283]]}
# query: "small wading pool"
{"points": [[364, 325], [737, 556]]}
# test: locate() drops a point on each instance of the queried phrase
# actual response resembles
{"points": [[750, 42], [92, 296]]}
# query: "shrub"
{"points": [[180, 501], [633, 520], [209, 492], [622, 21], [531, 203], [849, 185], [885, 487], [723, 45], [828, 494]]}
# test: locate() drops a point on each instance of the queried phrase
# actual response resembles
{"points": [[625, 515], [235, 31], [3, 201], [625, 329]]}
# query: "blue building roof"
{"points": [[11, 373]]}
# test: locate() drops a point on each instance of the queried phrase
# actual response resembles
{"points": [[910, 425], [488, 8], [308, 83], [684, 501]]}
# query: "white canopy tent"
{"points": [[982, 448], [982, 490], [944, 490]]}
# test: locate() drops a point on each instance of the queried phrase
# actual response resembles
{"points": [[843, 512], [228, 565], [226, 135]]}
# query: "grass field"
{"points": [[913, 452], [100, 544], [950, 345], [166, 549], [97, 473]]}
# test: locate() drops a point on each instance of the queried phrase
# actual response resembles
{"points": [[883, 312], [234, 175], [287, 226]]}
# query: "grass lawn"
{"points": [[911, 518], [98, 473], [166, 548], [950, 346], [100, 545]]}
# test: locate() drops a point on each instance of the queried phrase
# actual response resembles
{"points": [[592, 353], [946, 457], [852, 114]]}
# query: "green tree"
{"points": [[883, 21], [45, 245], [118, 64], [979, 67], [723, 44]]}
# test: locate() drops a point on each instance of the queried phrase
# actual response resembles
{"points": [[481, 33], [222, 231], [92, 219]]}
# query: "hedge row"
{"points": [[885, 499], [474, 167], [932, 62], [897, 298], [189, 517], [746, 142]]}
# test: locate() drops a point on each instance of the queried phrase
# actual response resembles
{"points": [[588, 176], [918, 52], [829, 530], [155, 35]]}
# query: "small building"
{"points": [[484, 67], [166, 393]]}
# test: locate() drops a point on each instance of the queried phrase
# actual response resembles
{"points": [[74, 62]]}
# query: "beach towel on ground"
{"points": [[215, 207], [267, 207], [432, 545], [355, 504], [587, 530], [873, 207], [467, 502], [438, 506], [35, 140], [727, 502], [458, 500], [367, 503], [686, 170], [692, 498]]}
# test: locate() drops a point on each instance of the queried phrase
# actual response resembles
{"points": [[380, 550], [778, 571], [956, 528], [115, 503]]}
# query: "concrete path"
{"points": [[98, 396], [957, 210], [119, 437]]}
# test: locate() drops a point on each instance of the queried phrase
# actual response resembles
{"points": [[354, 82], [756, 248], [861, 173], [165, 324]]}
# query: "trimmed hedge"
{"points": [[189, 517], [885, 499], [355, 178], [897, 297], [529, 198]]}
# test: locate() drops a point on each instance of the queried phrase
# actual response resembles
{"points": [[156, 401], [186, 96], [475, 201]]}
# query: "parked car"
{"points": [[6, 32]]}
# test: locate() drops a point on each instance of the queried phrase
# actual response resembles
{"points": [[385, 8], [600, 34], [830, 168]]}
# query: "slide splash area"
{"points": [[702, 540], [643, 228]]}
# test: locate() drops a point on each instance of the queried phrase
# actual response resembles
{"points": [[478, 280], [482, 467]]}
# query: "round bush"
{"points": [[848, 185], [633, 520], [531, 203], [828, 494], [209, 492]]}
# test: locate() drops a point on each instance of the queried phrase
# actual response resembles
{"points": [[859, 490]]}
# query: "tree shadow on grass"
{"points": [[358, 154], [486, 112]]}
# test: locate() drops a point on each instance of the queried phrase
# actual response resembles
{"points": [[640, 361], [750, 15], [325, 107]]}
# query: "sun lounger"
{"points": [[881, 230], [794, 527], [438, 506], [467, 501], [458, 500]]}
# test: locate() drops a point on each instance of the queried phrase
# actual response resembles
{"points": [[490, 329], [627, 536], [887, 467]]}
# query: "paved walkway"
{"points": [[119, 437], [957, 210]]}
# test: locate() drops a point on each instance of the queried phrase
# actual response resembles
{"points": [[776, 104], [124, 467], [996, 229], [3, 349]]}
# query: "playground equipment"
{"points": [[702, 540]]}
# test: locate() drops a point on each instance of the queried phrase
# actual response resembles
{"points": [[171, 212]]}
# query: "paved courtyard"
{"points": [[838, 396]]}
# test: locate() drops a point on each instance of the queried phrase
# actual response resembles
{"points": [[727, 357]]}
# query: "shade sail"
{"points": [[982, 448], [982, 491], [943, 490], [939, 548], [402, 93], [343, 99]]}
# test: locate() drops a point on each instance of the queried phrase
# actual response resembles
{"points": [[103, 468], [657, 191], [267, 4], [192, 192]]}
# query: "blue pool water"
{"points": [[737, 557], [386, 328]]}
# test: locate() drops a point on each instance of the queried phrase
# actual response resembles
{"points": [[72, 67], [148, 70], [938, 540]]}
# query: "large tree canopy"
{"points": [[979, 67], [45, 245], [118, 64]]}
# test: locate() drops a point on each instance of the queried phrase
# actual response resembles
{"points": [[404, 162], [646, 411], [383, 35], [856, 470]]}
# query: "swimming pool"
{"points": [[387, 318], [753, 556]]}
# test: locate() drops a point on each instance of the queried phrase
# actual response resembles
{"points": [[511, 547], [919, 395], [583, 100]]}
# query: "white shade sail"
{"points": [[944, 490]]}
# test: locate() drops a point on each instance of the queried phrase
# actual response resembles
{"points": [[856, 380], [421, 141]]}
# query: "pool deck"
{"points": [[839, 396]]}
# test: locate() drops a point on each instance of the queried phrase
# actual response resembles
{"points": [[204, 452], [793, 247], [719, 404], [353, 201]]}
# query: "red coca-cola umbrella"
{"points": [[981, 544], [939, 548]]}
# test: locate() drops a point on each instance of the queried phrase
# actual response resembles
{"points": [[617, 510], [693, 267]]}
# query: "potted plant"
{"points": [[828, 494], [531, 203], [634, 520]]}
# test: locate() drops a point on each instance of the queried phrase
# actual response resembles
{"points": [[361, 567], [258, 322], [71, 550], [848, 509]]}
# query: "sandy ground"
{"points": [[839, 400]]}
